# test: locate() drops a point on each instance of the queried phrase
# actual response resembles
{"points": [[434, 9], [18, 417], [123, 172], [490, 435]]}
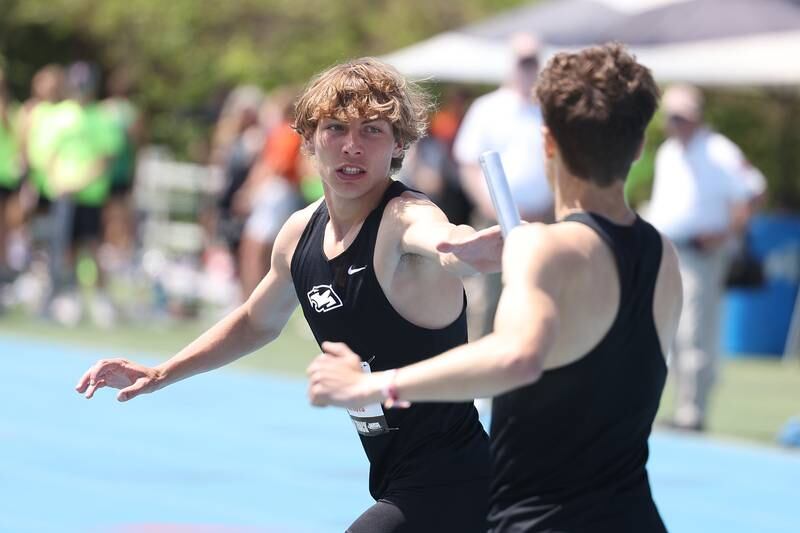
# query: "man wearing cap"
{"points": [[508, 121], [701, 195]]}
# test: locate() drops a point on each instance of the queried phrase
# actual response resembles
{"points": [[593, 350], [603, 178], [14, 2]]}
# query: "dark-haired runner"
{"points": [[589, 308]]}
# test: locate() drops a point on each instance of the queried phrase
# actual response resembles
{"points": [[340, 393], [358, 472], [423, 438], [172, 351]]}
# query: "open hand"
{"points": [[132, 378], [482, 250]]}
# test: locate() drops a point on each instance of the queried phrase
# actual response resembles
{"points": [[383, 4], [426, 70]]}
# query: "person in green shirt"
{"points": [[9, 175], [118, 216], [79, 181], [38, 131]]}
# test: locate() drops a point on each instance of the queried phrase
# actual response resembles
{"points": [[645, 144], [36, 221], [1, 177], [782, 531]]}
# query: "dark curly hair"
{"points": [[597, 103]]}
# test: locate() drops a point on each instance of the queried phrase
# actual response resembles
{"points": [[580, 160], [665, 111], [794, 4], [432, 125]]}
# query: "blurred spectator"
{"points": [[47, 85], [9, 175], [39, 130], [448, 117], [703, 195], [79, 182], [118, 213], [240, 102], [238, 141], [429, 165], [270, 194], [507, 121]]}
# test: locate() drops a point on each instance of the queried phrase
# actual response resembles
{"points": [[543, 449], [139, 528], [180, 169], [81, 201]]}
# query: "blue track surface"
{"points": [[233, 452]]}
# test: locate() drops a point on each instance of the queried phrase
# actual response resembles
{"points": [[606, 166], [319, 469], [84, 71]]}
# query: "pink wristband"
{"points": [[389, 391]]}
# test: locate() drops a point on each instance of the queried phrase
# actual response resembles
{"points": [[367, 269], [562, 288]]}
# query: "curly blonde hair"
{"points": [[366, 88]]}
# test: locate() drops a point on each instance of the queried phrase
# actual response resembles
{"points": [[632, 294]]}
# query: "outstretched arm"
{"points": [[255, 323], [513, 355], [458, 249]]}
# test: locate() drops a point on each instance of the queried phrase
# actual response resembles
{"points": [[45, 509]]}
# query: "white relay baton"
{"points": [[504, 206]]}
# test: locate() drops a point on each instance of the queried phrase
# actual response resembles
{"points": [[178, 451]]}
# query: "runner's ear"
{"points": [[550, 146], [398, 149], [308, 145]]}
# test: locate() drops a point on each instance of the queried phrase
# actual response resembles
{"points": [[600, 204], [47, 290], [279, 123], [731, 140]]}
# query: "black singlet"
{"points": [[569, 451], [429, 444]]}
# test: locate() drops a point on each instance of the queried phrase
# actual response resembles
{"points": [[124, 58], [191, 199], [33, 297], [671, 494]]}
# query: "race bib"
{"points": [[369, 420]]}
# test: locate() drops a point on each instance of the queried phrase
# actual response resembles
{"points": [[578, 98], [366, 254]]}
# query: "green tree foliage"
{"points": [[186, 53], [765, 124]]}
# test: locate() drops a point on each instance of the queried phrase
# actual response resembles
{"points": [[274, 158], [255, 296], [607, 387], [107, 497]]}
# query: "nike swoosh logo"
{"points": [[352, 270]]}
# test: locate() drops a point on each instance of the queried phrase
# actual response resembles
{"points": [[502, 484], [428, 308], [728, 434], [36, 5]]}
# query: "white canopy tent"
{"points": [[455, 57], [480, 54], [755, 60], [723, 43]]}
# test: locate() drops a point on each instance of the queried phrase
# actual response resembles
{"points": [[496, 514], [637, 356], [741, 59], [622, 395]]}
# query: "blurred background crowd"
{"points": [[94, 212], [147, 158]]}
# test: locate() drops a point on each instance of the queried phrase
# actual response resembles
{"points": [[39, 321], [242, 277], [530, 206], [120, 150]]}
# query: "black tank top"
{"points": [[429, 443], [569, 451]]}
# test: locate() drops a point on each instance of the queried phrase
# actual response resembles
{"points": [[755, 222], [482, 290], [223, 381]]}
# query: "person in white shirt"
{"points": [[508, 121], [702, 196]]}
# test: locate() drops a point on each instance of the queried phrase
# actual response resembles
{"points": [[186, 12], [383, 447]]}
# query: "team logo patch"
{"points": [[323, 298]]}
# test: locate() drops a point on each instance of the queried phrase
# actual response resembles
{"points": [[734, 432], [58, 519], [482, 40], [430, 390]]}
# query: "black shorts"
{"points": [[86, 224], [6, 192], [450, 508], [43, 204], [121, 189]]}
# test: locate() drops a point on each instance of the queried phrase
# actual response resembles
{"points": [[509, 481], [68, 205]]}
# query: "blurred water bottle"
{"points": [[790, 433]]}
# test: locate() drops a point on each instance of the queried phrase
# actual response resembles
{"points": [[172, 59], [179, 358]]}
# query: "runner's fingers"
{"points": [[139, 386], [84, 381], [322, 381], [93, 386], [91, 376], [317, 364], [342, 355], [330, 347], [336, 349], [342, 351], [316, 394], [445, 247]]}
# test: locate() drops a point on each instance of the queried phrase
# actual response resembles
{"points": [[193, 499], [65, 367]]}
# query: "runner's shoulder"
{"points": [[408, 200], [545, 247], [292, 230], [293, 227]]}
